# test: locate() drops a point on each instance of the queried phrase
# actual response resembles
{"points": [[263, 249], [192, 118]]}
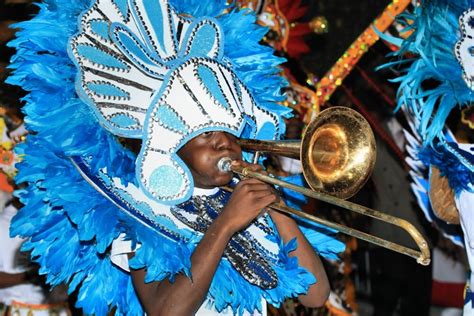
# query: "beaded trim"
{"points": [[464, 47], [242, 250], [152, 59]]}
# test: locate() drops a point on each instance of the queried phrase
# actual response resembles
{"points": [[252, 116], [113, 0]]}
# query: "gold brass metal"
{"points": [[337, 151], [338, 154]]}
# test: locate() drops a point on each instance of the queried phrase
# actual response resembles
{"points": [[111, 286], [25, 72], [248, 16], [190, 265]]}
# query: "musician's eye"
{"points": [[206, 134]]}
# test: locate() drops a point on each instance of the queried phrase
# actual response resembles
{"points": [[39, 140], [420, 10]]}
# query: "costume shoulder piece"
{"points": [[437, 79], [161, 72], [440, 47]]}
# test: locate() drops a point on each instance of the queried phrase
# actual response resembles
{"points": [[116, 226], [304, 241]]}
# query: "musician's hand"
{"points": [[251, 166], [248, 201], [259, 168]]}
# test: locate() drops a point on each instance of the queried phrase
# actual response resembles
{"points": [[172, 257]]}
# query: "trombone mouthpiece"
{"points": [[224, 164]]}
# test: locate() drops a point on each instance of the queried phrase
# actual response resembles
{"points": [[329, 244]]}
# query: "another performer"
{"points": [[437, 80], [184, 79], [22, 291]]}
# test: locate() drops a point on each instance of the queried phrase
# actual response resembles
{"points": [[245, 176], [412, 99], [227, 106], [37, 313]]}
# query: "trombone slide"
{"points": [[422, 256]]}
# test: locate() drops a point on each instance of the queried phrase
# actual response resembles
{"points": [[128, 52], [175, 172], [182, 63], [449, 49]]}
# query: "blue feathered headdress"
{"points": [[153, 74], [70, 224], [433, 80]]}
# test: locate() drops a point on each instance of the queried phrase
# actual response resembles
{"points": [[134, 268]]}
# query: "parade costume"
{"points": [[26, 298], [161, 72], [29, 296], [437, 79]]}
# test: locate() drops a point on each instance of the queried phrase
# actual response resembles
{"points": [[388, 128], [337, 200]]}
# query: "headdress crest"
{"points": [[152, 74], [147, 70]]}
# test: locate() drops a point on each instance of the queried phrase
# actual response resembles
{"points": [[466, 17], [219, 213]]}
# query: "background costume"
{"points": [[436, 80], [161, 72], [29, 296]]}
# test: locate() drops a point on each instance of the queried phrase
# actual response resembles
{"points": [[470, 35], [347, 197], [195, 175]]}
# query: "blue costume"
{"points": [[437, 78], [161, 72]]}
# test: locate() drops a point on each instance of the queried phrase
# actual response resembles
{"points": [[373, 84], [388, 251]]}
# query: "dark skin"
{"points": [[12, 279], [248, 201]]}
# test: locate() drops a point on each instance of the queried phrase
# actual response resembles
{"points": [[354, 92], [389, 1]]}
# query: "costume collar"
{"points": [[200, 191]]}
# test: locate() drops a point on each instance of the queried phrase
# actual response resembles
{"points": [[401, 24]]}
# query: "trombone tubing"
{"points": [[422, 256]]}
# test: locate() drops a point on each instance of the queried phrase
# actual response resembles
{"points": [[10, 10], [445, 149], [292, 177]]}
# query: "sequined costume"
{"points": [[437, 80], [160, 72]]}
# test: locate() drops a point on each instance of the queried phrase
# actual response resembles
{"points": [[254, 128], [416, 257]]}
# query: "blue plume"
{"points": [[69, 226], [459, 177], [435, 29]]}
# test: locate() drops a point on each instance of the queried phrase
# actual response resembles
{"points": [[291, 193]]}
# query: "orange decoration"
{"points": [[281, 17], [5, 185], [6, 157], [338, 72]]}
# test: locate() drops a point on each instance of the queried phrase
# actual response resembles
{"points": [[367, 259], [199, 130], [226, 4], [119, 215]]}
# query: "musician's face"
{"points": [[202, 153]]}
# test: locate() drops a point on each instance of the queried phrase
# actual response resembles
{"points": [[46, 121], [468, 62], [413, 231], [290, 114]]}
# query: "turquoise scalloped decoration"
{"points": [[69, 226]]}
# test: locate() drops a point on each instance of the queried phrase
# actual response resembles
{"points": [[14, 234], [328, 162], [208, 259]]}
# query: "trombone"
{"points": [[337, 153]]}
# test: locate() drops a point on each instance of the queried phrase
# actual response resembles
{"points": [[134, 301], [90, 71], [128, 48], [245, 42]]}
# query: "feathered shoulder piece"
{"points": [[436, 78], [159, 71]]}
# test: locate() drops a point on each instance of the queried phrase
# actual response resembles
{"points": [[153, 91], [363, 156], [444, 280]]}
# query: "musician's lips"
{"points": [[232, 157]]}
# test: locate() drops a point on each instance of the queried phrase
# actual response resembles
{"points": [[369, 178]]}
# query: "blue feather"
{"points": [[68, 225], [459, 176], [432, 86], [435, 25]]}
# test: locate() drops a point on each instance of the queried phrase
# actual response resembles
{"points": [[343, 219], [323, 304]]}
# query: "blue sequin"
{"points": [[100, 57], [170, 120], [134, 48], [212, 85], [204, 41], [100, 27], [124, 121], [155, 14], [107, 89], [166, 180], [122, 6]]}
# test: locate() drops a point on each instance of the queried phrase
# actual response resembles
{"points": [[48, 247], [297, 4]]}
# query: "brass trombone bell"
{"points": [[337, 151]]}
